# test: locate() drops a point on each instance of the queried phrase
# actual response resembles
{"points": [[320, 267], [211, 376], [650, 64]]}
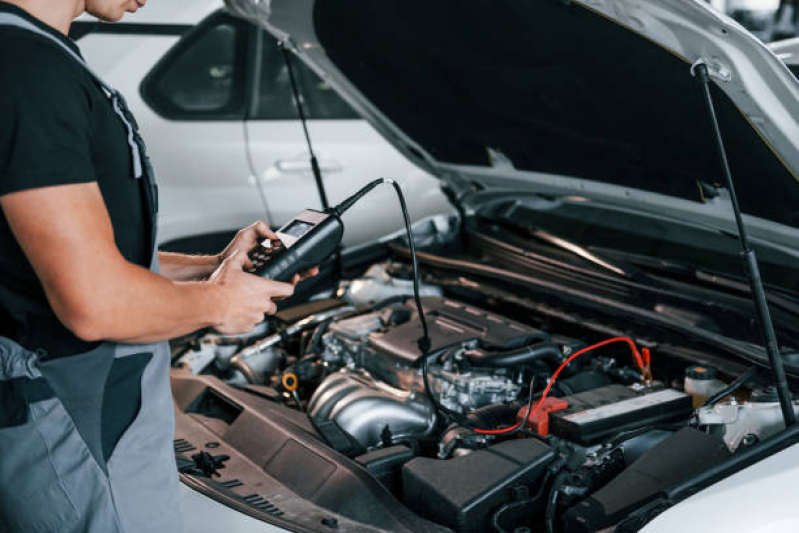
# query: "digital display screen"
{"points": [[297, 228]]}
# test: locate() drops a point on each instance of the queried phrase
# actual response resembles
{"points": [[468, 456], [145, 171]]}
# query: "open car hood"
{"points": [[589, 100]]}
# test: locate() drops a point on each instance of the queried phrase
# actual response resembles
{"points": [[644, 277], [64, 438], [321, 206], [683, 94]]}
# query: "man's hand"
{"points": [[245, 240], [244, 298], [182, 267]]}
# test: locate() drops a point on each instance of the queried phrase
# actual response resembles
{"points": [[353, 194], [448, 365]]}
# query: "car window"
{"points": [[275, 99], [203, 76]]}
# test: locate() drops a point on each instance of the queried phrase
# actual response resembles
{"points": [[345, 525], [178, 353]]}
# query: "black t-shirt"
{"points": [[57, 127]]}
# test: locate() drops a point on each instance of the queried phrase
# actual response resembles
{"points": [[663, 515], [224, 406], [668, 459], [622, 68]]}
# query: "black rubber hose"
{"points": [[314, 345], [519, 356], [552, 501], [739, 382], [494, 416], [522, 503]]}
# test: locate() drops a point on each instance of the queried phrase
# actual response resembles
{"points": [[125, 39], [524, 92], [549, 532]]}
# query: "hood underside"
{"points": [[598, 93]]}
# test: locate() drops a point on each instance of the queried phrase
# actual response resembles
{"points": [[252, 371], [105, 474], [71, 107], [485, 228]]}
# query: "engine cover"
{"points": [[451, 323]]}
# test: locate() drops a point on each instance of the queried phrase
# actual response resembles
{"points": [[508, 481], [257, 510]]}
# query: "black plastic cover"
{"points": [[386, 465], [277, 455], [682, 455], [463, 492]]}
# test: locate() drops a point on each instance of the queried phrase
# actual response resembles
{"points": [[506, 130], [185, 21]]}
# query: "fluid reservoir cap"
{"points": [[701, 373]]}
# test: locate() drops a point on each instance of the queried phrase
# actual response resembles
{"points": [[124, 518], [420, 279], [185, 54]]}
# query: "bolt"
{"points": [[749, 440], [330, 522]]}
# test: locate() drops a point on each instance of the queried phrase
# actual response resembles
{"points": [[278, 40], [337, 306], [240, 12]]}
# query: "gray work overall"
{"points": [[57, 474]]}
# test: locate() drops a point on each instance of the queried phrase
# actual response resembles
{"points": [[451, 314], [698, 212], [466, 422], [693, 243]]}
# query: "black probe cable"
{"points": [[739, 382]]}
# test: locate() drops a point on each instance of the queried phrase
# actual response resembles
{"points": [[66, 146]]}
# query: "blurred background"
{"points": [[769, 20], [213, 98]]}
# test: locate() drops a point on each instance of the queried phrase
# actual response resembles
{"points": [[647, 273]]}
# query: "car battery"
{"points": [[598, 413]]}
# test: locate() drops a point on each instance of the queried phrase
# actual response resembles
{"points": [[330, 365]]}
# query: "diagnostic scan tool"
{"points": [[312, 237], [302, 243]]}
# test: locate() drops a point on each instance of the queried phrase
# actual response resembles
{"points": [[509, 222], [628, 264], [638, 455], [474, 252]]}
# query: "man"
{"points": [[86, 423]]}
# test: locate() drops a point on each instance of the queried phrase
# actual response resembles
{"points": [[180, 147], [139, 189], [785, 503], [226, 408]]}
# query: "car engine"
{"points": [[378, 389], [453, 440]]}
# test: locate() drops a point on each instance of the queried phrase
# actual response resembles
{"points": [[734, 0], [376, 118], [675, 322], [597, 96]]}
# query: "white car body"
{"points": [[759, 499], [210, 171]]}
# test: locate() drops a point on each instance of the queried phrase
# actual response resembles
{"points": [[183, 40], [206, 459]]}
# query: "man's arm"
{"points": [[183, 267], [66, 233]]}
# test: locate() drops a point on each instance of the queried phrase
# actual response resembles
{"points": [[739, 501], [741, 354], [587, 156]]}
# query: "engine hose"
{"points": [[251, 375], [552, 501], [496, 415], [495, 520], [314, 345], [742, 380], [519, 356]]}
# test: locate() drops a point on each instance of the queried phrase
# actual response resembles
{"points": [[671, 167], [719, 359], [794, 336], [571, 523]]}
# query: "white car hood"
{"points": [[587, 138]]}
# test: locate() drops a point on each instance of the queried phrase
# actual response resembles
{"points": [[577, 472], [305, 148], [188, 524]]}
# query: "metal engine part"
{"points": [[345, 340], [218, 349], [371, 411], [468, 391], [376, 285], [383, 343], [743, 423], [262, 358]]}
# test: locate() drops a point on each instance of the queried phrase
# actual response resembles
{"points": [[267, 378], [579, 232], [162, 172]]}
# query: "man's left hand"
{"points": [[247, 238]]}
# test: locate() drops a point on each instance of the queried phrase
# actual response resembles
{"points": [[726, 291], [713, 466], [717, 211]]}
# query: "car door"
{"points": [[350, 152], [197, 98]]}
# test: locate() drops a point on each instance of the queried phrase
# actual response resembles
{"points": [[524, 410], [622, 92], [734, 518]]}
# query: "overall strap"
{"points": [[118, 103]]}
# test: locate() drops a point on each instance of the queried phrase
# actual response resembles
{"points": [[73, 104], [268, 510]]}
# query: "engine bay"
{"points": [[510, 425]]}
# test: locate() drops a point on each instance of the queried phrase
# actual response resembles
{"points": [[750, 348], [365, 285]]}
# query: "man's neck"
{"points": [[57, 14]]}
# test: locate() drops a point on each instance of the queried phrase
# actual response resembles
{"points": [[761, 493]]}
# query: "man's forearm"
{"points": [[145, 308], [98, 295], [183, 267]]}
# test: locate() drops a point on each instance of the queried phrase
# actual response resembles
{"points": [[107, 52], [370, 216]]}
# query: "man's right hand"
{"points": [[244, 298]]}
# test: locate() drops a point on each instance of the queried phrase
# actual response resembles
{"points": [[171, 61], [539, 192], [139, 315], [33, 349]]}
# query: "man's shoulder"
{"points": [[27, 56], [37, 72]]}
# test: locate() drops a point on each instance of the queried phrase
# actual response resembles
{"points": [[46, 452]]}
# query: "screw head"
{"points": [[330, 522]]}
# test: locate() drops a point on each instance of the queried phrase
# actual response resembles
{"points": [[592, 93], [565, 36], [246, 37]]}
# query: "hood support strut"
{"points": [[317, 172], [751, 267]]}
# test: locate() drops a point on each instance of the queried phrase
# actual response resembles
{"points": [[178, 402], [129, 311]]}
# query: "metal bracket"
{"points": [[715, 69]]}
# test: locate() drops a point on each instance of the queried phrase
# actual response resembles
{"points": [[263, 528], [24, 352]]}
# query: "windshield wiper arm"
{"points": [[627, 271], [620, 268]]}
